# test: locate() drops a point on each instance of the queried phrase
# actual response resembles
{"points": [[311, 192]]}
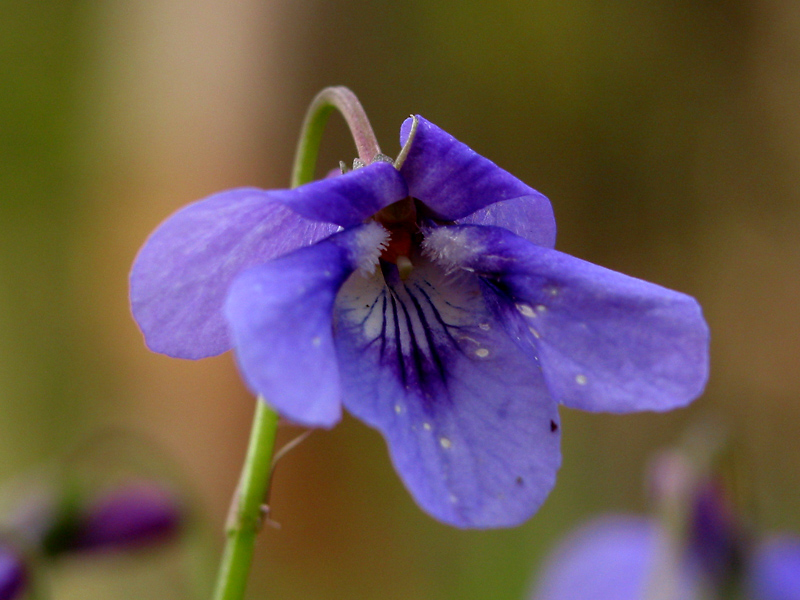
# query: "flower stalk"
{"points": [[246, 515], [345, 101]]}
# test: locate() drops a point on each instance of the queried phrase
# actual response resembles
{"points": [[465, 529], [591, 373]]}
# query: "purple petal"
{"points": [[182, 273], [614, 558], [348, 199], [280, 319], [467, 417], [530, 217], [775, 573], [453, 180], [607, 342]]}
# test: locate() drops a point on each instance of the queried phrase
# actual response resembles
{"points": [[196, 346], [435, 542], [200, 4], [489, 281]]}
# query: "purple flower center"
{"points": [[400, 220]]}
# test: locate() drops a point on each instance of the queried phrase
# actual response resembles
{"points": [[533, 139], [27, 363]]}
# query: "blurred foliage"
{"points": [[40, 54]]}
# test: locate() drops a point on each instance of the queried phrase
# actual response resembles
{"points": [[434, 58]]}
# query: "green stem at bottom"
{"points": [[246, 516]]}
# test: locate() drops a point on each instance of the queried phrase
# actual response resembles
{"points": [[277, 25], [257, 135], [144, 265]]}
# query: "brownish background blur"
{"points": [[666, 133]]}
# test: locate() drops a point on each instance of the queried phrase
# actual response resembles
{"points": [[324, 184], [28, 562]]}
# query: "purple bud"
{"points": [[13, 574], [135, 515]]}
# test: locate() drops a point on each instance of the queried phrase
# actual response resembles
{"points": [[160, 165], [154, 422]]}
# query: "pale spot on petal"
{"points": [[526, 310], [426, 426], [445, 443], [535, 333], [482, 352], [316, 341], [541, 308], [581, 379], [485, 326]]}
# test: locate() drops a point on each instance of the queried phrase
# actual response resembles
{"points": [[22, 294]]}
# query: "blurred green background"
{"points": [[666, 133]]}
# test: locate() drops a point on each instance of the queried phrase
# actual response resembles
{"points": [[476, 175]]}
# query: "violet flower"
{"points": [[427, 300]]}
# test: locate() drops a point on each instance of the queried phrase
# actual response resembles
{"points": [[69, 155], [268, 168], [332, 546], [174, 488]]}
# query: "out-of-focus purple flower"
{"points": [[635, 558], [611, 558], [428, 300], [131, 516], [13, 574], [618, 558]]}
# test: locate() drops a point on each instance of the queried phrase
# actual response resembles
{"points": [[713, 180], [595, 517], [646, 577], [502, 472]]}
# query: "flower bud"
{"points": [[132, 516]]}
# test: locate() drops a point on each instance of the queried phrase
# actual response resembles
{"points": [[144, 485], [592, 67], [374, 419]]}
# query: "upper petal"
{"points": [[182, 273], [453, 180], [530, 217], [607, 342], [470, 425], [348, 199], [775, 573], [280, 320]]}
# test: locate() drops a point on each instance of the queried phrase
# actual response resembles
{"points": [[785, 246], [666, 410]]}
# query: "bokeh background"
{"points": [[666, 133]]}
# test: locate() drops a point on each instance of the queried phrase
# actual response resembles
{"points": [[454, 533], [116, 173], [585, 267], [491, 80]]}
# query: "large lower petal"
{"points": [[348, 199], [606, 341], [453, 180], [470, 425], [280, 320], [775, 573], [182, 273]]}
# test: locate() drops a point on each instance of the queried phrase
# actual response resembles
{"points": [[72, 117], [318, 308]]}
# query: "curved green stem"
{"points": [[345, 101], [246, 514]]}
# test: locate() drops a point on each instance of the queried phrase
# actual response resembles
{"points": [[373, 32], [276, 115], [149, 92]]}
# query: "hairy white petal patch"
{"points": [[368, 244], [448, 247]]}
